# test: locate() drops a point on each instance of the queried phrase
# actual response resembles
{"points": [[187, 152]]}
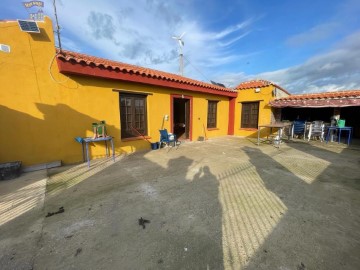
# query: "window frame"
{"points": [[137, 119], [213, 114], [247, 114]]}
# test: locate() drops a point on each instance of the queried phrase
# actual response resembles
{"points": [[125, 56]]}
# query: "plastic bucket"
{"points": [[155, 146], [341, 123]]}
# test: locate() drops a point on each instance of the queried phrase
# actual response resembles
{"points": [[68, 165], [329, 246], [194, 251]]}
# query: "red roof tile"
{"points": [[122, 68], [324, 95], [319, 100], [258, 83]]}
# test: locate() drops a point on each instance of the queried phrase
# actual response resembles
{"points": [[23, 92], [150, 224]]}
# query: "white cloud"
{"points": [[315, 34], [231, 41], [231, 29], [338, 69], [139, 32]]}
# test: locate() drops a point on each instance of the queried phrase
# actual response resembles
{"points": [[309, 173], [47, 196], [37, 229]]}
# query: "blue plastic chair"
{"points": [[167, 138], [298, 128]]}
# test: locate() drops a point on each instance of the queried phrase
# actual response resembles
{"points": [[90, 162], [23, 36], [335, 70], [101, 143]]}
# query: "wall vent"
{"points": [[5, 48]]}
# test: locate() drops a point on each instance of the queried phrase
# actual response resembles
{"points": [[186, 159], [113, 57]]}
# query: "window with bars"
{"points": [[249, 115], [133, 115], [212, 112]]}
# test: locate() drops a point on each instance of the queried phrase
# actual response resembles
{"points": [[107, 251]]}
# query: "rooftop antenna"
{"points": [[181, 56], [57, 25]]}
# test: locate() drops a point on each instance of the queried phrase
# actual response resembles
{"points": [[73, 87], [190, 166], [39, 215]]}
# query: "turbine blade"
{"points": [[182, 35]]}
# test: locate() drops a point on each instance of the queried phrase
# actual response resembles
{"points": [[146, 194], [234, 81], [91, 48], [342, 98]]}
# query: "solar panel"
{"points": [[218, 84], [28, 26]]}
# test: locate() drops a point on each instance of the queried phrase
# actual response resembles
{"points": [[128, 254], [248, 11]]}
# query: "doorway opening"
{"points": [[181, 117]]}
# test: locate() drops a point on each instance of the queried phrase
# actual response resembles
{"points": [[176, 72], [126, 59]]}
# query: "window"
{"points": [[133, 115], [250, 115], [212, 109]]}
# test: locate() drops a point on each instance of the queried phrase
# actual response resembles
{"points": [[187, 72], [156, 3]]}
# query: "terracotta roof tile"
{"points": [[324, 95], [102, 63], [258, 83]]}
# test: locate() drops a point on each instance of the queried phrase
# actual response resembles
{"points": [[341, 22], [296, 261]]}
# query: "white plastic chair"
{"points": [[316, 130]]}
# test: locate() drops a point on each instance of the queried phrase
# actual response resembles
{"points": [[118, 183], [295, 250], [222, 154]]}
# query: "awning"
{"points": [[315, 103]]}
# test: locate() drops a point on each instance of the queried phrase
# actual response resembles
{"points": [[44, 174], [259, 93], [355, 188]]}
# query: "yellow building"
{"points": [[48, 97], [252, 106]]}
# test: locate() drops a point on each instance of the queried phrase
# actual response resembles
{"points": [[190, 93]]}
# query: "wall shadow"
{"points": [[42, 36], [184, 210], [333, 155], [34, 140], [178, 196], [318, 228]]}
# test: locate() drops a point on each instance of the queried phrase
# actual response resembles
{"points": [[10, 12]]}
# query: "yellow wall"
{"points": [[200, 117], [249, 95], [40, 116]]}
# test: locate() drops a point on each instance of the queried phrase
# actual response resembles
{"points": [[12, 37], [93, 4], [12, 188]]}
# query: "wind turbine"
{"points": [[181, 45]]}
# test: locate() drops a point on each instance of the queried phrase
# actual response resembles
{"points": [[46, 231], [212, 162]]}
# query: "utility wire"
{"points": [[198, 70]]}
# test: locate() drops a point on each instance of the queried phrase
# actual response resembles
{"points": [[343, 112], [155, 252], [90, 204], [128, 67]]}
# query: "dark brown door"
{"points": [[181, 118], [250, 115]]}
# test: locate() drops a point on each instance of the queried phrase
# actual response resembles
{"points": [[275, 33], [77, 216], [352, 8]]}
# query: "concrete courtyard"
{"points": [[225, 203]]}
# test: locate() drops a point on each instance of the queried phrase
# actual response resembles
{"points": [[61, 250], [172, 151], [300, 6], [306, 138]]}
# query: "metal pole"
{"points": [[181, 65], [57, 26]]}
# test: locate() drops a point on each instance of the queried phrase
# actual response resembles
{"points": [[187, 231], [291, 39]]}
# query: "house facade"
{"points": [[252, 106], [48, 97]]}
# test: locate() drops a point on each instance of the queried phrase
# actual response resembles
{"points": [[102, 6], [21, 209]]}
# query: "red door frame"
{"points": [[172, 97], [231, 116]]}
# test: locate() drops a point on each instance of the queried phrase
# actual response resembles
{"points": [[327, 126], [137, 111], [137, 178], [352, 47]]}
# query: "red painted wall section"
{"points": [[231, 116]]}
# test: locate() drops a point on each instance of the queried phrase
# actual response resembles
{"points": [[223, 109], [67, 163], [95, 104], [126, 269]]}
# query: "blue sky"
{"points": [[304, 46]]}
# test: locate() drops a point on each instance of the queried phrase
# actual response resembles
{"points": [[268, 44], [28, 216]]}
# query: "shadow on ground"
{"points": [[319, 189], [220, 204]]}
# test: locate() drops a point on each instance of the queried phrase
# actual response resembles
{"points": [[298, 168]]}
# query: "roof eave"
{"points": [[93, 71]]}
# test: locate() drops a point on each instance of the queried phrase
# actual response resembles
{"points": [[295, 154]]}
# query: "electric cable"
{"points": [[52, 77]]}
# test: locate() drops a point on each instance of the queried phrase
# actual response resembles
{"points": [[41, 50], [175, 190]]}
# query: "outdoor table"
{"points": [[279, 126], [348, 129], [88, 140]]}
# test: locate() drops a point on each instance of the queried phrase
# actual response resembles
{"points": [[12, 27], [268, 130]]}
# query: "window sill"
{"points": [[248, 129], [210, 129], [135, 138]]}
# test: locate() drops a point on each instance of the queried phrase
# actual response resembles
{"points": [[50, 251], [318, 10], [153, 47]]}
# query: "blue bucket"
{"points": [[155, 146]]}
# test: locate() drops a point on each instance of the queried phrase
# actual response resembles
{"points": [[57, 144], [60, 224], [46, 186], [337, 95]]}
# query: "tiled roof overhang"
{"points": [[319, 100], [258, 83], [81, 64]]}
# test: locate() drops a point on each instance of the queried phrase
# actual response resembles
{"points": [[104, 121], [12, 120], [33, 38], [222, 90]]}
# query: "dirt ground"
{"points": [[224, 203]]}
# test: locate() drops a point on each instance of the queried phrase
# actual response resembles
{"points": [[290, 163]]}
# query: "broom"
{"points": [[140, 134]]}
